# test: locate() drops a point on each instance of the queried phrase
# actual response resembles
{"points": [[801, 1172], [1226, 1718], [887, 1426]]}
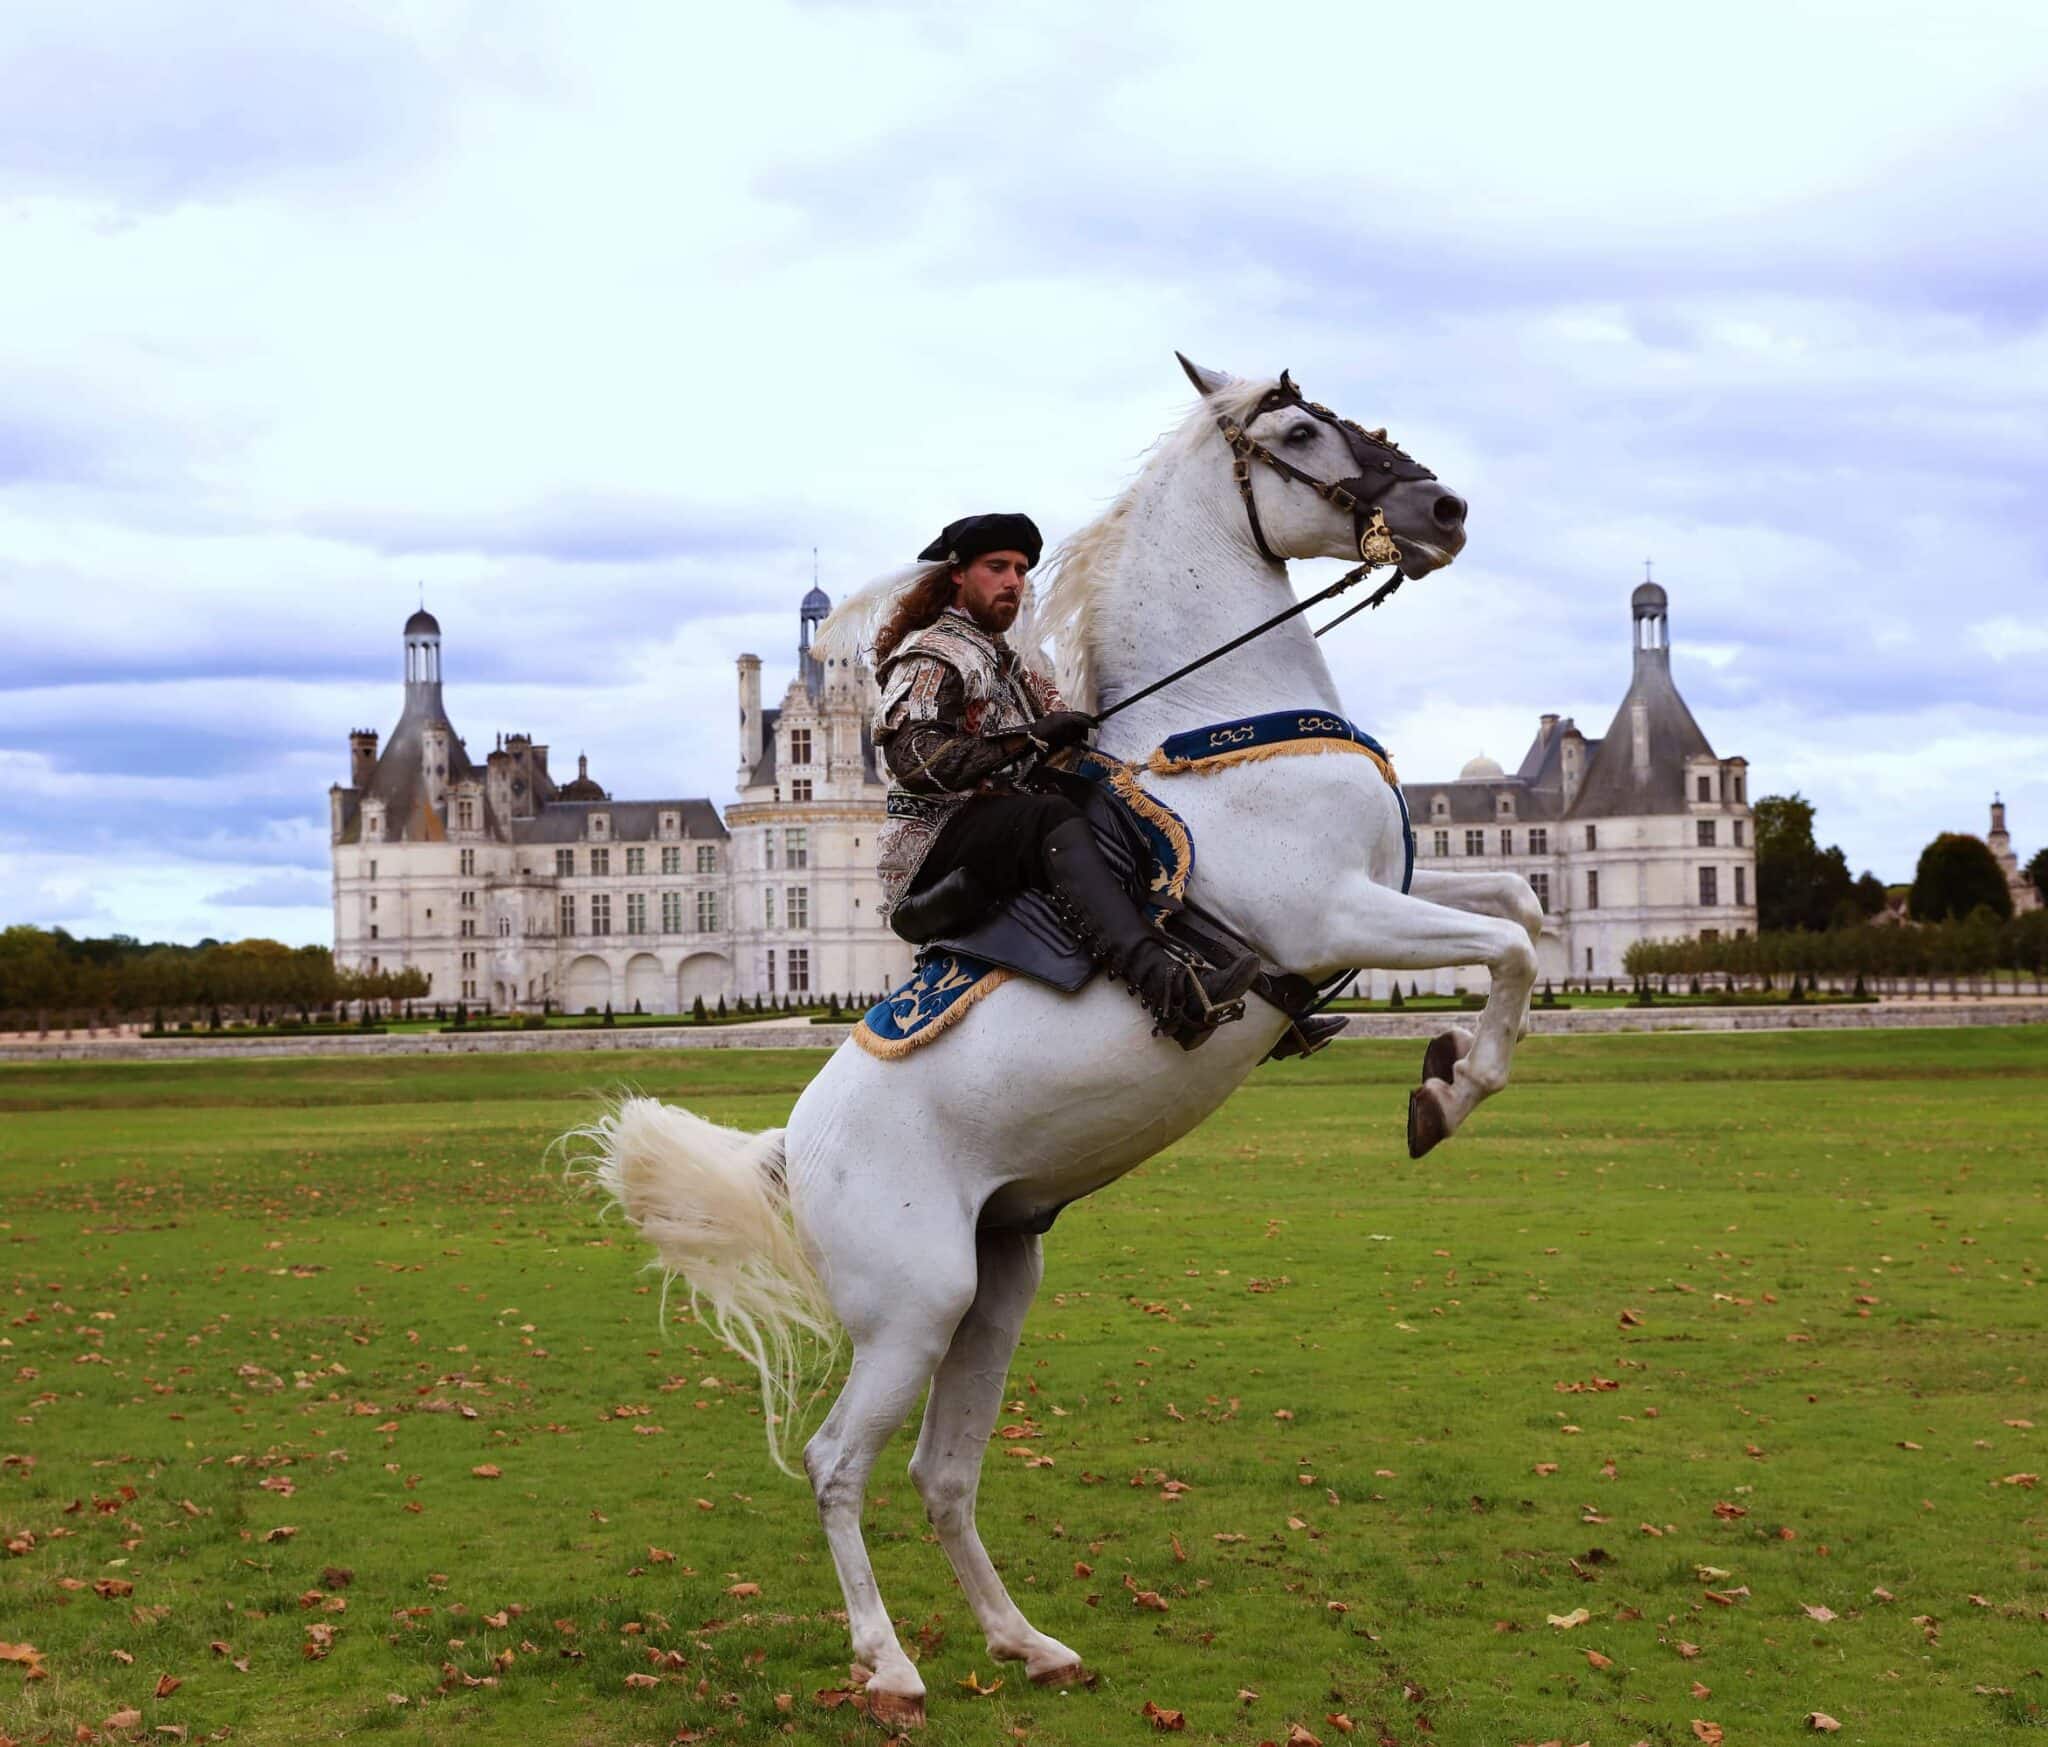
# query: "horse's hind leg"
{"points": [[967, 1395], [901, 1307]]}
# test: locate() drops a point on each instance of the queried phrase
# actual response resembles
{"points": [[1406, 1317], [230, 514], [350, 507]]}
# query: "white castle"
{"points": [[1642, 834], [510, 891]]}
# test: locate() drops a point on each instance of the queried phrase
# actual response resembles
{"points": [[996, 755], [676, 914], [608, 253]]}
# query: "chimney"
{"points": [[539, 755], [750, 715], [1546, 725], [1573, 755], [434, 765], [362, 757], [498, 784]]}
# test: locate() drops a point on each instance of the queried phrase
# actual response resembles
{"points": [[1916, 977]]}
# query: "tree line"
{"points": [[1896, 960], [49, 977]]}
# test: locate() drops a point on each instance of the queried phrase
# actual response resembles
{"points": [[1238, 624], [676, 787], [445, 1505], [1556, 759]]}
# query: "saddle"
{"points": [[1148, 847]]}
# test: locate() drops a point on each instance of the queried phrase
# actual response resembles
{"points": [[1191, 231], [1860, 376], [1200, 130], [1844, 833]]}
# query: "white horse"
{"points": [[905, 1195]]}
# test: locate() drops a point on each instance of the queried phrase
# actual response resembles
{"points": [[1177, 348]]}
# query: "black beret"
{"points": [[973, 537]]}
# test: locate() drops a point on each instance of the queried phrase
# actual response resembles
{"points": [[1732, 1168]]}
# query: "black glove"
{"points": [[1062, 728]]}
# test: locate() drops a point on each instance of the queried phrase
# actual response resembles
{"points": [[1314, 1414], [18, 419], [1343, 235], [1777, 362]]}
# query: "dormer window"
{"points": [[1439, 807], [670, 825], [600, 827], [799, 746]]}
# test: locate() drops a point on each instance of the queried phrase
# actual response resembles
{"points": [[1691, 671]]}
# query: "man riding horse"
{"points": [[966, 728]]}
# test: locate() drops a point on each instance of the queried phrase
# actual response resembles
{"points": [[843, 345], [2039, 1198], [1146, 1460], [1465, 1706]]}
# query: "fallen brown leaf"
{"points": [[488, 1471], [166, 1684], [1822, 1614], [973, 1684], [1595, 1660], [744, 1590], [1564, 1622], [125, 1718], [1821, 1723], [1165, 1721], [1710, 1733]]}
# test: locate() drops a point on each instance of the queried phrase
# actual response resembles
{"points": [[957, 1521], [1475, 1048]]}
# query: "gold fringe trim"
{"points": [[891, 1049], [1123, 779], [1160, 765]]}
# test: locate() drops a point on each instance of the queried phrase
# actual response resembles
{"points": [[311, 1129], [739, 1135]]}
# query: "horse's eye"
{"points": [[1302, 434]]}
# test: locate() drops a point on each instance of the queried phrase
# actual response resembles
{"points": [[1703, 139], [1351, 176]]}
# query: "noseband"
{"points": [[1381, 466]]}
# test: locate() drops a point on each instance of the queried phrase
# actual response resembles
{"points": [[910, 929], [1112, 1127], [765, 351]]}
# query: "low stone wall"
{"points": [[1566, 1022]]}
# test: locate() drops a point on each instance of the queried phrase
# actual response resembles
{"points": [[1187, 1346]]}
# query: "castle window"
{"points": [[768, 906], [668, 824], [373, 870], [671, 860], [799, 746], [1442, 844], [1592, 885], [468, 928], [707, 912], [799, 907], [1507, 842], [504, 927], [796, 845], [707, 858], [567, 909], [1741, 886], [469, 900], [565, 864], [799, 970], [1738, 788], [1706, 786], [465, 815], [1592, 838], [373, 901], [1539, 883], [1710, 935], [671, 912], [373, 931], [1710, 887], [636, 860], [1475, 842], [1705, 833], [601, 913], [1736, 826], [800, 788], [468, 861], [636, 912], [600, 861], [1539, 840], [1438, 806]]}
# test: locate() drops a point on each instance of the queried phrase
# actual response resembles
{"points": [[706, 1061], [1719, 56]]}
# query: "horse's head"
{"points": [[1316, 485]]}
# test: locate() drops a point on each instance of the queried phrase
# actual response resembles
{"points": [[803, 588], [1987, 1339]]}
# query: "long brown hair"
{"points": [[922, 603]]}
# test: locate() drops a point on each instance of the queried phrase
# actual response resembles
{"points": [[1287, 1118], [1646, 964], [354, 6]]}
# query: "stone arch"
{"points": [[586, 983], [645, 984], [703, 973]]}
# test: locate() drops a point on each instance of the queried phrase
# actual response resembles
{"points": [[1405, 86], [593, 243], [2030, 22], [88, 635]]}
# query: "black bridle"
{"points": [[1381, 466]]}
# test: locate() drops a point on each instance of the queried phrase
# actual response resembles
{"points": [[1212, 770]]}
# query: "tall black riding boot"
{"points": [[1189, 1002]]}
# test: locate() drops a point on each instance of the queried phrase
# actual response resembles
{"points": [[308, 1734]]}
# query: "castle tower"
{"points": [[816, 609], [423, 658]]}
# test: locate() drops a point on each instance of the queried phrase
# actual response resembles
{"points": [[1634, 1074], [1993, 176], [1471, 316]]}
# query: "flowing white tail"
{"points": [[713, 1203]]}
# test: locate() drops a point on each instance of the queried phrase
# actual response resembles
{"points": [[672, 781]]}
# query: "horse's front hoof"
{"points": [[1072, 1674], [1426, 1121], [896, 1711], [1446, 1050]]}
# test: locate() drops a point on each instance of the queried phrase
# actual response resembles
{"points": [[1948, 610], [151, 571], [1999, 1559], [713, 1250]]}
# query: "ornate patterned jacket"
{"points": [[951, 693]]}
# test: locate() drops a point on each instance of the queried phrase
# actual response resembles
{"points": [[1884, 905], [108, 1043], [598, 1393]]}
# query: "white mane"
{"points": [[1062, 610]]}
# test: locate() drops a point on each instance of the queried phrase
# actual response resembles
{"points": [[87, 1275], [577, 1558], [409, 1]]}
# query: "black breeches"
{"points": [[999, 839]]}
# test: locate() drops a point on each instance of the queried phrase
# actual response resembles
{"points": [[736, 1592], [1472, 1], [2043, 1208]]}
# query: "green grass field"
{"points": [[328, 1413]]}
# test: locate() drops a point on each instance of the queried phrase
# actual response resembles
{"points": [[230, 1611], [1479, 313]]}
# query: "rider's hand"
{"points": [[1061, 728]]}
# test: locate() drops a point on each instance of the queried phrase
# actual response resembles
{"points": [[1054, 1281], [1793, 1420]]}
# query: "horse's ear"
{"points": [[1206, 381]]}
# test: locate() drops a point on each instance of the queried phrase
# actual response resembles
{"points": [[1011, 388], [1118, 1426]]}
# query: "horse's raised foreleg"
{"points": [[967, 1395], [901, 1306], [1506, 895], [1380, 928]]}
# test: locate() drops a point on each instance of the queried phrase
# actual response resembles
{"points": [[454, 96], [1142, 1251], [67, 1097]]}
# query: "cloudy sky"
{"points": [[591, 321]]}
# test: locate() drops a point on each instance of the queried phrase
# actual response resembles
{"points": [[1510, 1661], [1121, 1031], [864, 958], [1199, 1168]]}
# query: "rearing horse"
{"points": [[904, 1199]]}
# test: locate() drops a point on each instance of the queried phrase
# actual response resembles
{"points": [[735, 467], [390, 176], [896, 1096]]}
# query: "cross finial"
{"points": [[1646, 570], [814, 567]]}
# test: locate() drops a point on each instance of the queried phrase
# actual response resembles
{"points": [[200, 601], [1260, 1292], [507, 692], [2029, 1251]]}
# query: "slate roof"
{"points": [[632, 821], [398, 780], [1612, 785]]}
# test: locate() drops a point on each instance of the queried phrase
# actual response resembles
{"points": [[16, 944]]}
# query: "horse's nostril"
{"points": [[1449, 511]]}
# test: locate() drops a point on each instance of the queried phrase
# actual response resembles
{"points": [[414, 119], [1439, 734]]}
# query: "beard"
{"points": [[997, 616]]}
